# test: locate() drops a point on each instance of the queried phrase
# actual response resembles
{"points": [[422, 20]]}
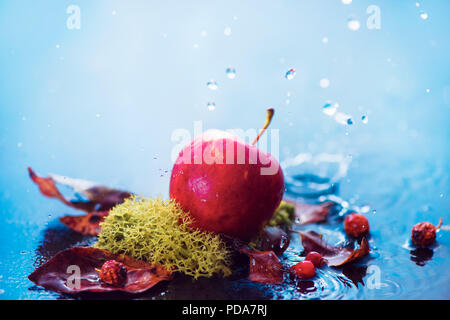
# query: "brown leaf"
{"points": [[58, 274], [335, 256], [311, 213], [100, 200], [88, 224], [265, 266]]}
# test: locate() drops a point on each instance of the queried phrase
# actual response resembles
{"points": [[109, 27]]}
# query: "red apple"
{"points": [[227, 185]]}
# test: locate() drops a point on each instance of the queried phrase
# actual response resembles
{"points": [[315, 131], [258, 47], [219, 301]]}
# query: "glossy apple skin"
{"points": [[234, 199]]}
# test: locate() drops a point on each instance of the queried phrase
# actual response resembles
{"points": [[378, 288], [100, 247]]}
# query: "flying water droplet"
{"points": [[290, 74], [211, 106], [423, 15], [346, 1], [324, 40], [231, 73], [343, 118], [330, 108], [353, 24], [364, 119], [211, 84], [19, 145], [324, 83], [227, 31]]}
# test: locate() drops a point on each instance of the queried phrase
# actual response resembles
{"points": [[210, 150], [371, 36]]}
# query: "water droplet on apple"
{"points": [[231, 73], [290, 74], [211, 84]]}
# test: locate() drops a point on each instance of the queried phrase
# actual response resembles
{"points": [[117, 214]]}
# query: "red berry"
{"points": [[114, 273], [304, 269], [356, 225], [315, 258], [424, 233]]}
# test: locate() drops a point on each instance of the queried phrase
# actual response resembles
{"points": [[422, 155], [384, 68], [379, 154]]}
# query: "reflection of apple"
{"points": [[226, 184]]}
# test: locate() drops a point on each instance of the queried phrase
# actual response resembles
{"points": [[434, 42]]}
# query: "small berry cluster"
{"points": [[306, 269]]}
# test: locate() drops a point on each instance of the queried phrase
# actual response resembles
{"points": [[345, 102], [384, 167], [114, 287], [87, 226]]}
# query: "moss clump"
{"points": [[158, 231], [283, 216]]}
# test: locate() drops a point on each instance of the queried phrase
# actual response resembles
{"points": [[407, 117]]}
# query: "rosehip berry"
{"points": [[304, 269], [356, 225], [315, 258], [424, 233], [114, 273]]}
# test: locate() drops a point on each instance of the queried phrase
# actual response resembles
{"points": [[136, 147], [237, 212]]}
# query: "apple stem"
{"points": [[269, 117]]}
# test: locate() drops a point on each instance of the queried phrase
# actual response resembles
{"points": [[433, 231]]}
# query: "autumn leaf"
{"points": [[99, 200], [335, 256], [265, 266], [88, 224], [311, 213], [59, 273]]}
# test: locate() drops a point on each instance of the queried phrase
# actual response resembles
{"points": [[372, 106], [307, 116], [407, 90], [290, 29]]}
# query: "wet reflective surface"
{"points": [[101, 103]]}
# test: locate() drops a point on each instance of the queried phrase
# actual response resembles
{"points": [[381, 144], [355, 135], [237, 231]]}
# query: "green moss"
{"points": [[283, 216], [158, 231]]}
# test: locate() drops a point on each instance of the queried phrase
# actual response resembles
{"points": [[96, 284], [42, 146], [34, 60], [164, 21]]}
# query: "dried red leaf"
{"points": [[265, 266], [88, 224], [59, 273], [311, 213], [100, 200], [47, 187], [334, 256]]}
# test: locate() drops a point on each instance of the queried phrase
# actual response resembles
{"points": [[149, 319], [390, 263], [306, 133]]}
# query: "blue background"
{"points": [[101, 103]]}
